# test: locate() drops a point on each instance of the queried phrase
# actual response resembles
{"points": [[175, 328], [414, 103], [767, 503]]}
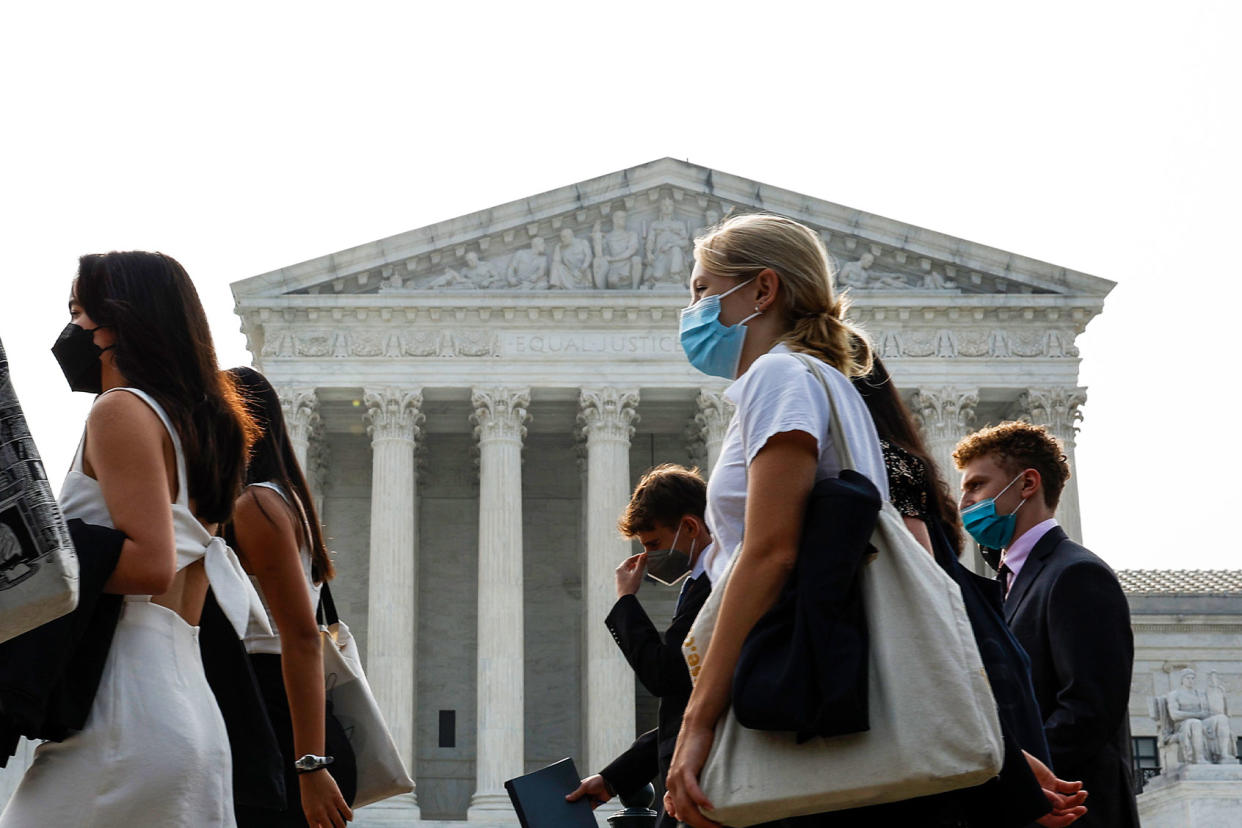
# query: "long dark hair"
{"points": [[272, 461], [164, 347], [894, 423]]}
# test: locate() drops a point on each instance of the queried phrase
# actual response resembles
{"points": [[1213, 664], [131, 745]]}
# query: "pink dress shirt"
{"points": [[1015, 556]]}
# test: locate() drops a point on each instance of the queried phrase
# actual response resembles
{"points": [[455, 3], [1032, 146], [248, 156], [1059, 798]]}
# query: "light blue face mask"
{"points": [[712, 347], [988, 528]]}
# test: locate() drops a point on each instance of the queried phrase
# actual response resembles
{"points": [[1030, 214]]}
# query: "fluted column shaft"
{"points": [[394, 420], [499, 418], [607, 416], [1060, 410]]}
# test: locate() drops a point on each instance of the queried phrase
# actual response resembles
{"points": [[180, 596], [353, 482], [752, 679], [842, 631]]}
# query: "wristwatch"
{"points": [[311, 762]]}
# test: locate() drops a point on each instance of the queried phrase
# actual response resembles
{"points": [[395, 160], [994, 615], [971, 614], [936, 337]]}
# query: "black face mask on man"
{"points": [[78, 355], [668, 566]]}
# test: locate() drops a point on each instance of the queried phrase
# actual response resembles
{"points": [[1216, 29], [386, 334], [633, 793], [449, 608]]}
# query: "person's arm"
{"points": [[125, 452], [919, 529], [780, 479], [1092, 652], [659, 666], [267, 540]]}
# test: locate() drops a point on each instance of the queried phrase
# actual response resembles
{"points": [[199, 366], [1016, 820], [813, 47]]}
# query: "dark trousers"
{"points": [[343, 769]]}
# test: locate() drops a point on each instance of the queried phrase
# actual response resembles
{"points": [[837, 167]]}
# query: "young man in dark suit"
{"points": [[665, 514], [1064, 605]]}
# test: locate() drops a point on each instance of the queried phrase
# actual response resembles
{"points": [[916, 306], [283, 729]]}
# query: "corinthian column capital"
{"points": [[1058, 408], [608, 414], [394, 414], [713, 415], [301, 410], [945, 414], [500, 413]]}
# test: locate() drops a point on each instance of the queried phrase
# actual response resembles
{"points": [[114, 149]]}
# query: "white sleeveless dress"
{"points": [[154, 751]]}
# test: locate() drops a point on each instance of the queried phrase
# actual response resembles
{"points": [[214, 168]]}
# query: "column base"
{"points": [[396, 810], [490, 806]]}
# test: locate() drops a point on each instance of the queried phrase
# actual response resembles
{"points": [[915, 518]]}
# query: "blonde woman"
{"points": [[761, 290]]}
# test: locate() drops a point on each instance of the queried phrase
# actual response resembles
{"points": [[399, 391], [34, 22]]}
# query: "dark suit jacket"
{"points": [[658, 662], [49, 675], [1069, 613]]}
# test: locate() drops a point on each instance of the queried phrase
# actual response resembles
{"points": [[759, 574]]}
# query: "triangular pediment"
{"points": [[634, 230]]}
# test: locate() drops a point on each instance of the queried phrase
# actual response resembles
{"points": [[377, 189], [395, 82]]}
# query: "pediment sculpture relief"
{"points": [[668, 250], [618, 264], [860, 274], [613, 247], [571, 263]]}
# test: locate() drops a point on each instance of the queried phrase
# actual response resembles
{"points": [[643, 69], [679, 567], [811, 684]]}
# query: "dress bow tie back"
{"points": [[233, 589]]}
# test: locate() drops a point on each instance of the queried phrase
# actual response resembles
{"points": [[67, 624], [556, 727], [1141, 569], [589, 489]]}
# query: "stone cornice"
{"points": [[683, 181], [656, 307]]}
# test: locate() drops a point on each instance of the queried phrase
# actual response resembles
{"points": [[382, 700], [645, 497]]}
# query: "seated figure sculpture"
{"points": [[571, 263], [1199, 722], [618, 264]]}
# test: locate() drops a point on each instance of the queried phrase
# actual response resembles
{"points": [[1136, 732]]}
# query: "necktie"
{"points": [[681, 596], [1002, 575]]}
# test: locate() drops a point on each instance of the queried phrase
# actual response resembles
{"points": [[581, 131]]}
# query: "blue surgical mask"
{"points": [[712, 347], [988, 528]]}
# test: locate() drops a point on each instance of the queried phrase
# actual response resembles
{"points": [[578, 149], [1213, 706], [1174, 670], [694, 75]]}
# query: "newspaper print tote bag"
{"points": [[38, 567]]}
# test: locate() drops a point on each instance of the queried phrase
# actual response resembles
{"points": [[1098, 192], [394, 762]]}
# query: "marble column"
{"points": [[305, 427], [946, 414], [713, 418], [1060, 410], [301, 410], [499, 425], [607, 417], [394, 423]]}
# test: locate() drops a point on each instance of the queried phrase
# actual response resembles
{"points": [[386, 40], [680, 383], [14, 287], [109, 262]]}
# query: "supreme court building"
{"points": [[474, 400]]}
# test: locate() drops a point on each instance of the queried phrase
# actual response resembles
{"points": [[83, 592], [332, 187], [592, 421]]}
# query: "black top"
{"points": [[907, 482]]}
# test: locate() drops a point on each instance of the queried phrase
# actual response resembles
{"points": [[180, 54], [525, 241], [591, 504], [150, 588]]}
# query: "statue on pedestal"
{"points": [[668, 254], [571, 263], [618, 265], [1197, 722]]}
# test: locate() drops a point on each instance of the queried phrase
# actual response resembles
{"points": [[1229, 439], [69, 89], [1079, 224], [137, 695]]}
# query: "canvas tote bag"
{"points": [[934, 724], [381, 773], [38, 566]]}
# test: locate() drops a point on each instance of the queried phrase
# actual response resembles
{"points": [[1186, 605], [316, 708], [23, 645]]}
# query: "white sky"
{"points": [[240, 137]]}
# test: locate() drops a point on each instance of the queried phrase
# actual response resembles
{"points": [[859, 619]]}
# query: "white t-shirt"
{"points": [[778, 394]]}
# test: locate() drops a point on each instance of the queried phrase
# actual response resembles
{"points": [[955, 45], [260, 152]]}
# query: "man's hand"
{"points": [[630, 574], [594, 788], [1066, 798]]}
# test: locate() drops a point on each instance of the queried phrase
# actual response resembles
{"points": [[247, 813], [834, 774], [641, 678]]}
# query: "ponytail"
{"points": [[741, 246]]}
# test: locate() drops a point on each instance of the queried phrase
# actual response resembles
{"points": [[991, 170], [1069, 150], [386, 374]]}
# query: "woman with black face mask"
{"points": [[161, 461], [276, 532]]}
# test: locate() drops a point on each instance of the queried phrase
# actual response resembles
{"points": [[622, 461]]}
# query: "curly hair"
{"points": [[1016, 446], [663, 496]]}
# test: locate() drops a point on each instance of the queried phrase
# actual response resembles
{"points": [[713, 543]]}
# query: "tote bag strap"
{"points": [[325, 613], [844, 456]]}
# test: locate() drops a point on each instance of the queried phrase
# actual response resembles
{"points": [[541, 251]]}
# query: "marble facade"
{"points": [[475, 399]]}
